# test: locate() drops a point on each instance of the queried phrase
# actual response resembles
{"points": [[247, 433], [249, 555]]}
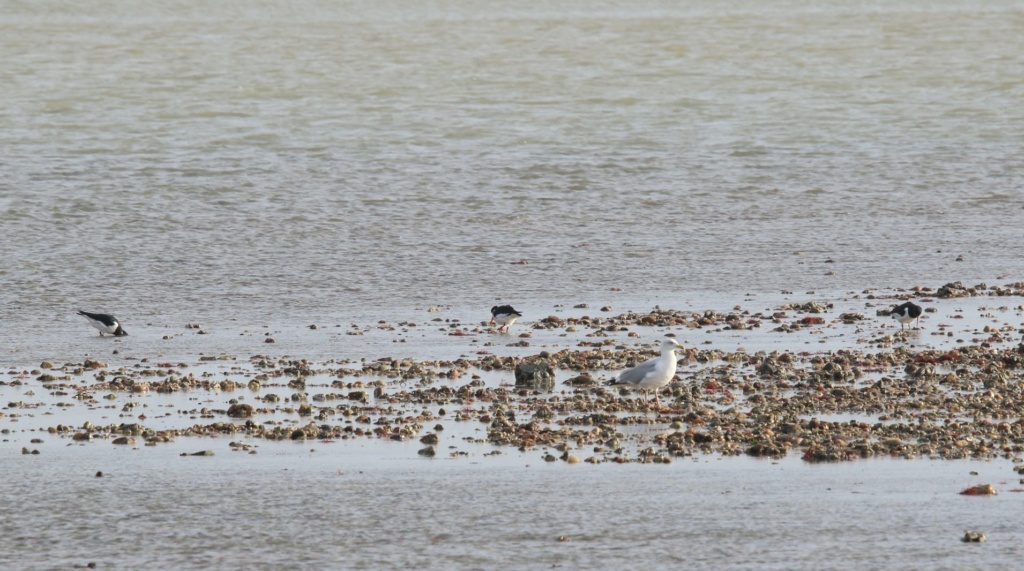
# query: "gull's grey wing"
{"points": [[637, 374]]}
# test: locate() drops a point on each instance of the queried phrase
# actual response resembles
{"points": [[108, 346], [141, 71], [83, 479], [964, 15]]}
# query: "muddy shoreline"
{"points": [[948, 389]]}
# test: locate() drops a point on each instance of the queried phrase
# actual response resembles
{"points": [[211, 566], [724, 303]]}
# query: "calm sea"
{"points": [[267, 161], [283, 163]]}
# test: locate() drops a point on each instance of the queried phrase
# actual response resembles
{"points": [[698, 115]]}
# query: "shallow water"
{"points": [[332, 508], [421, 334], [256, 168], [276, 161]]}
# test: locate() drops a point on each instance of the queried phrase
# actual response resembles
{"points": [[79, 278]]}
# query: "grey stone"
{"points": [[538, 375]]}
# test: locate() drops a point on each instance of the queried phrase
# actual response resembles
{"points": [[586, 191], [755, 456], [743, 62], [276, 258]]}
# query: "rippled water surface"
{"points": [[177, 160], [332, 509], [258, 167]]}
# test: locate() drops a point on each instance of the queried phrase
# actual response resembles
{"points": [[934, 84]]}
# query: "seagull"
{"points": [[906, 313], [653, 373], [504, 315], [106, 323]]}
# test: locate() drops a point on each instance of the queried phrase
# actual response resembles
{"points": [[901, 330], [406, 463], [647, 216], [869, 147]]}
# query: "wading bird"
{"points": [[504, 315], [654, 373], [105, 322], [906, 313]]}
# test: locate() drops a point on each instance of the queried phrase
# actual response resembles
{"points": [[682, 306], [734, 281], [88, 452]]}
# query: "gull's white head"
{"points": [[670, 345]]}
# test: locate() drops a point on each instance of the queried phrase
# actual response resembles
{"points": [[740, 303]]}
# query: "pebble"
{"points": [[979, 490], [973, 537]]}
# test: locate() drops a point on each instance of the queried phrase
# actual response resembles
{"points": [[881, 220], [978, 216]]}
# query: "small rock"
{"points": [[979, 490], [973, 537], [582, 380], [240, 410], [953, 289], [358, 396], [535, 375], [429, 439], [428, 451]]}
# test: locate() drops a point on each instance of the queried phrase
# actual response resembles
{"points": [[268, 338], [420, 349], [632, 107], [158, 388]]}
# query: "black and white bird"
{"points": [[654, 373], [906, 313], [105, 322], [504, 315]]}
